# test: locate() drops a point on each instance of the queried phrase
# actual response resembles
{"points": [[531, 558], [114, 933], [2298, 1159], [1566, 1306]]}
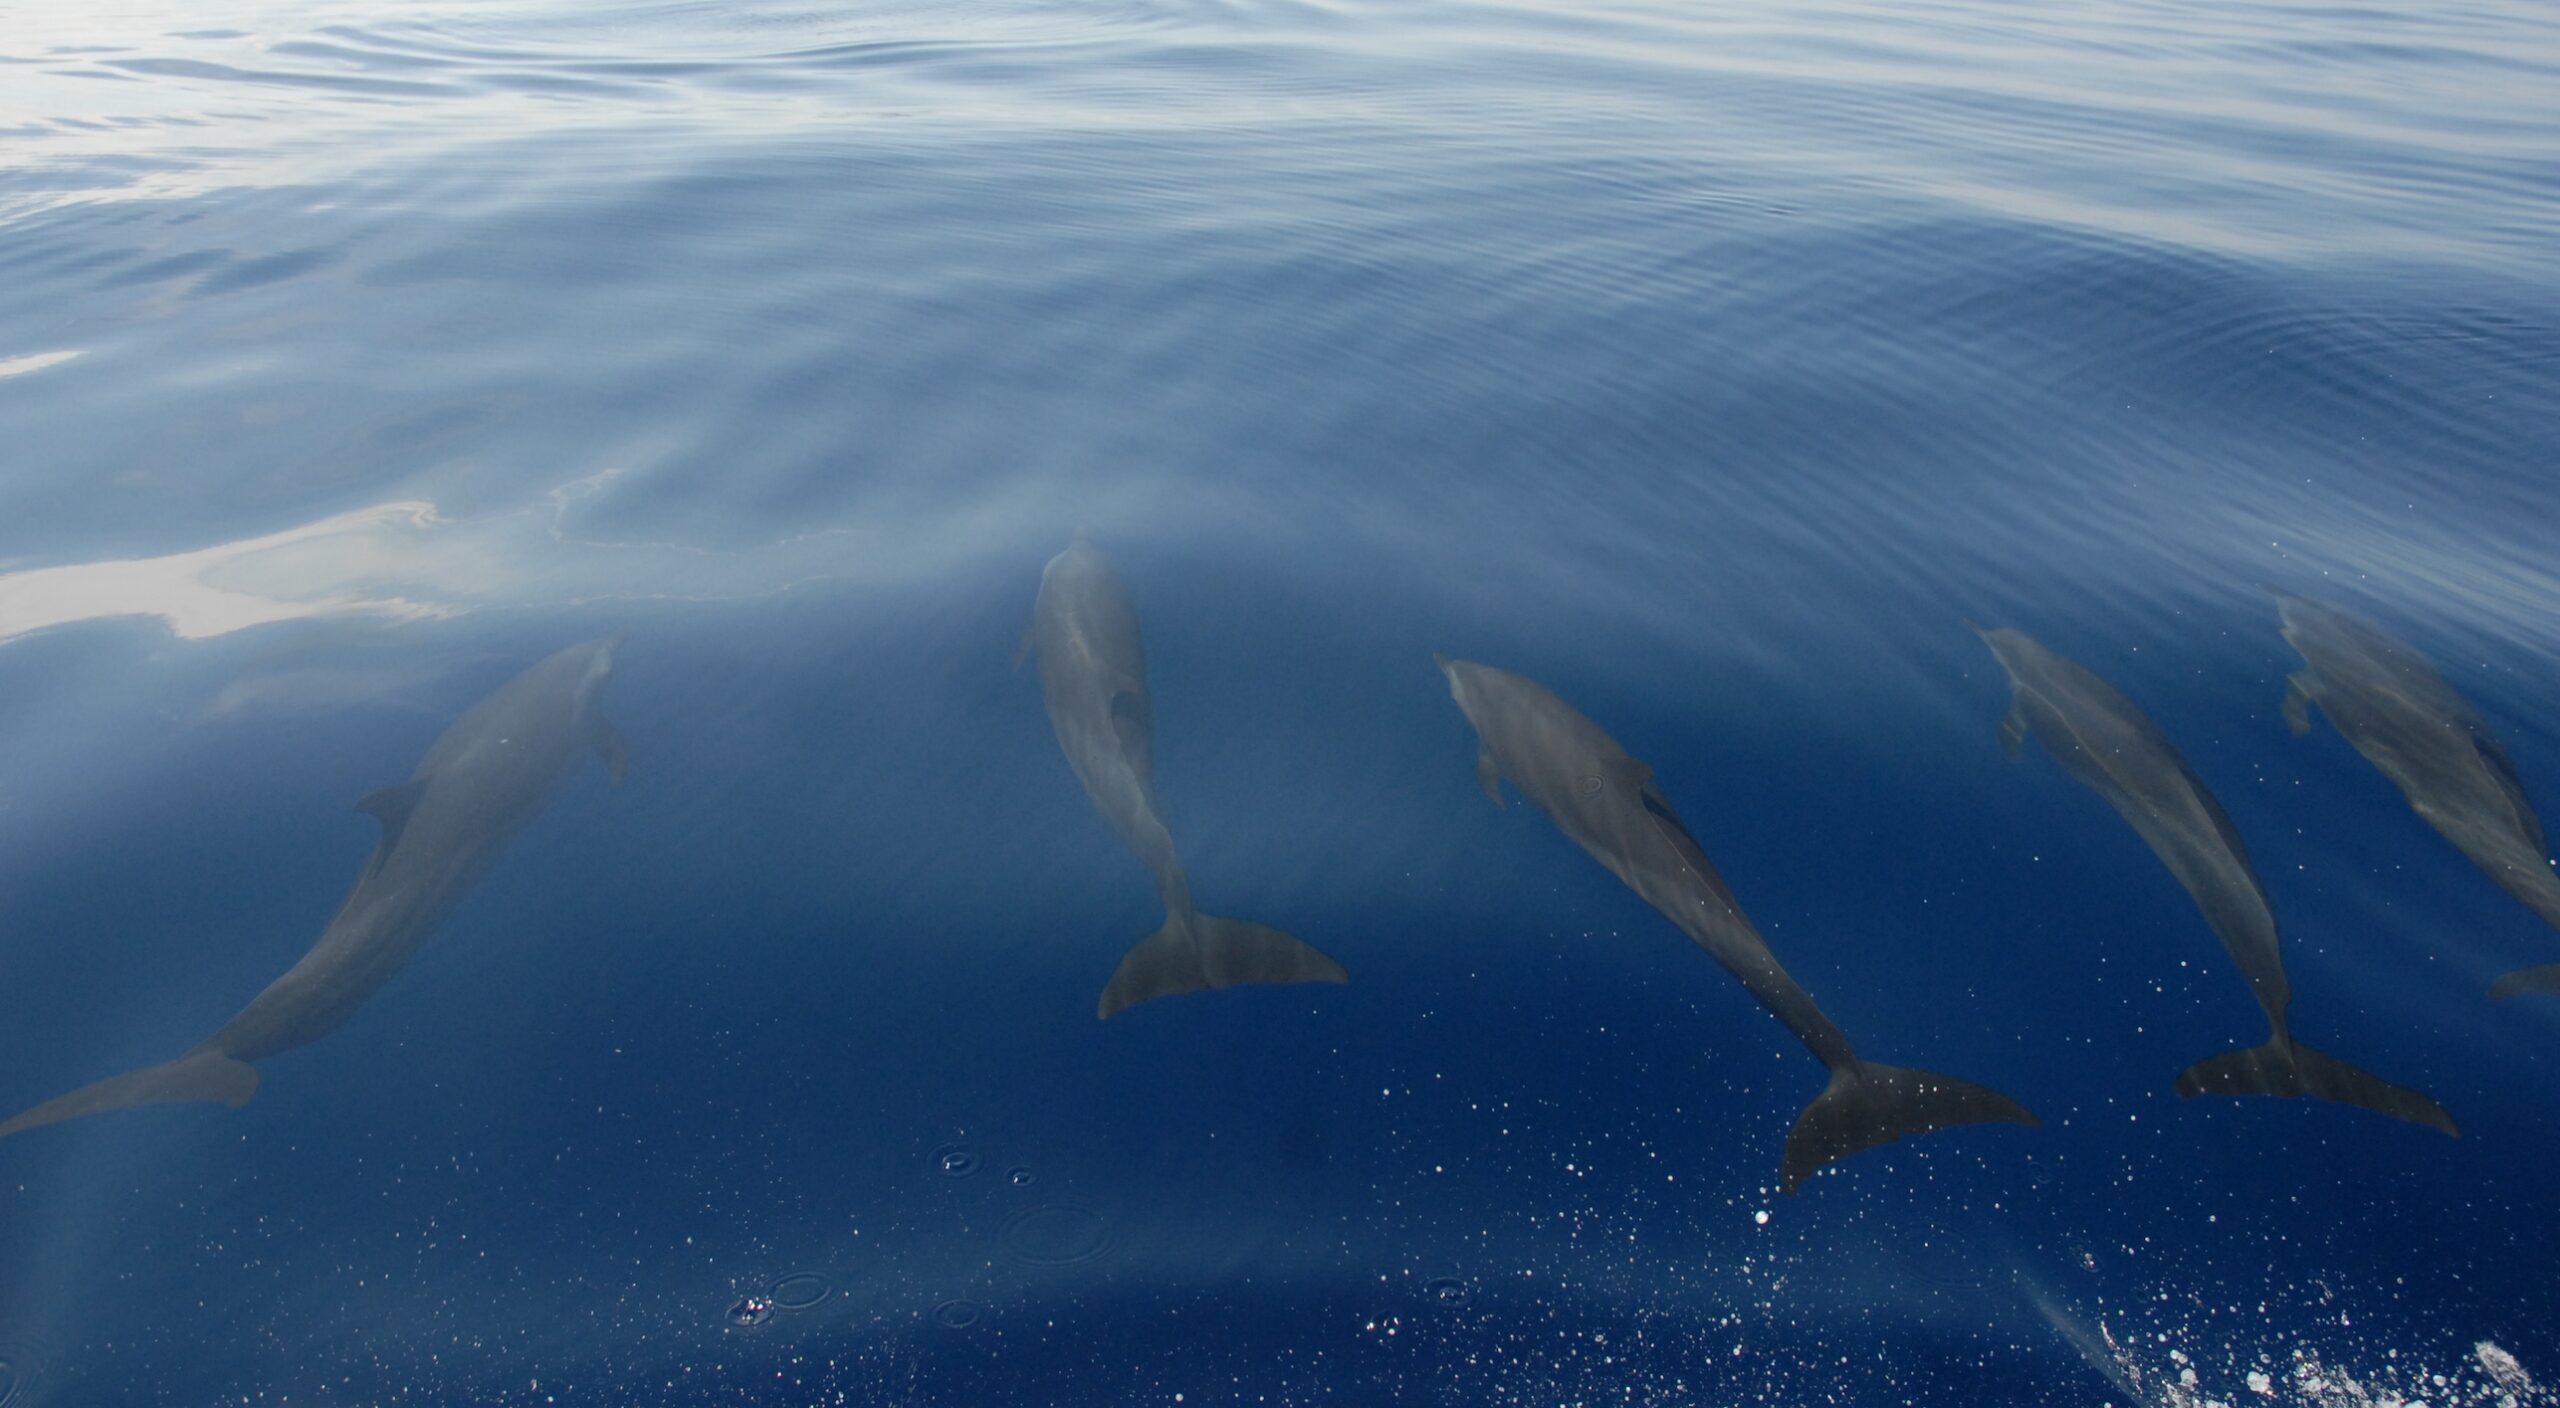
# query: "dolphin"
{"points": [[1093, 676], [2397, 711], [484, 778], [1606, 801], [2110, 747]]}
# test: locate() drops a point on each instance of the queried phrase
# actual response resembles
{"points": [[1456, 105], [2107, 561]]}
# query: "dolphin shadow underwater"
{"points": [[2109, 746], [1606, 801], [484, 778], [1093, 677], [2389, 702]]}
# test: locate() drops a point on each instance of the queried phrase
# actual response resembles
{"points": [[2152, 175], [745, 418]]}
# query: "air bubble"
{"points": [[1020, 1176], [1058, 1234], [957, 1314], [800, 1290], [1447, 1291], [750, 1311], [956, 1160]]}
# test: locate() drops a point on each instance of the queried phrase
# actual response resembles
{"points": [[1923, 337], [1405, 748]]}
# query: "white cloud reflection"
{"points": [[313, 570], [407, 560], [36, 362]]}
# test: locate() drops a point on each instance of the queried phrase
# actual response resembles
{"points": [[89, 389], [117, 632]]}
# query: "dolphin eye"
{"points": [[1591, 786]]}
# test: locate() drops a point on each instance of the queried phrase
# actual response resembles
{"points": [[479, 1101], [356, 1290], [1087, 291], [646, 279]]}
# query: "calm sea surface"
{"points": [[1713, 364]]}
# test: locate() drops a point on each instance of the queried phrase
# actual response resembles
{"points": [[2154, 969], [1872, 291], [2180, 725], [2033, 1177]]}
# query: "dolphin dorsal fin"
{"points": [[607, 741], [391, 805], [2502, 771], [1668, 825], [1132, 721], [1638, 779]]}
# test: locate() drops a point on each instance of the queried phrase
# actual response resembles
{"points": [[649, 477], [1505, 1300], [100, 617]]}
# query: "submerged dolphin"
{"points": [[2110, 747], [2397, 711], [488, 775], [1606, 801], [1093, 675]]}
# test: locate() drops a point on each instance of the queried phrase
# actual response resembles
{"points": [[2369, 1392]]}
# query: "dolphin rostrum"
{"points": [[484, 778], [1093, 675], [2114, 750], [1606, 801], [2397, 711]]}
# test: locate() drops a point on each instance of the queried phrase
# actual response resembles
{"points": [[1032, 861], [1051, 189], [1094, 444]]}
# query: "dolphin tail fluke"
{"points": [[1213, 952], [2289, 1068], [198, 1075], [1868, 1104], [2524, 980]]}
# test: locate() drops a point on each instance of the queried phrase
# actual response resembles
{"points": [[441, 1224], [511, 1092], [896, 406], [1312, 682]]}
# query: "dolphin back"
{"points": [[202, 1074], [1868, 1103], [1194, 951]]}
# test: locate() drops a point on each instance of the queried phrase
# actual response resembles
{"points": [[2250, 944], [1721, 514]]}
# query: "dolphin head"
{"points": [[594, 666], [2295, 613], [1459, 673], [1078, 558], [2003, 640]]}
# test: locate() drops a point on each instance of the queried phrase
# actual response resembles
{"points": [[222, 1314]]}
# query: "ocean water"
{"points": [[1713, 364]]}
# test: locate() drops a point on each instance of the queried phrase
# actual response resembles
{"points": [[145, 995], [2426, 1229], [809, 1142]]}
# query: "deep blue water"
{"points": [[1713, 364]]}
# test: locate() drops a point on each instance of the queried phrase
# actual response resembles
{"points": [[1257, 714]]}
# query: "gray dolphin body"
{"points": [[1606, 801], [1093, 676], [484, 778], [2397, 711], [2110, 747]]}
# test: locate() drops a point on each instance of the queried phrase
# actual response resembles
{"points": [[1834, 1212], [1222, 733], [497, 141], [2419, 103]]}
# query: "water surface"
{"points": [[1713, 364]]}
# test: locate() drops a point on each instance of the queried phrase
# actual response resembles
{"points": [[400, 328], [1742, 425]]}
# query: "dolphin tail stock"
{"points": [[1868, 1103], [2524, 980], [201, 1074], [2285, 1067], [1195, 951]]}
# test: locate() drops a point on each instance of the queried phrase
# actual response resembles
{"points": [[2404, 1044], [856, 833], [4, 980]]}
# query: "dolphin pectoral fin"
{"points": [[2284, 1068], [1489, 777], [1867, 1104], [391, 806], [198, 1075], [2013, 731], [2297, 702], [2524, 980], [1213, 952], [609, 745]]}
